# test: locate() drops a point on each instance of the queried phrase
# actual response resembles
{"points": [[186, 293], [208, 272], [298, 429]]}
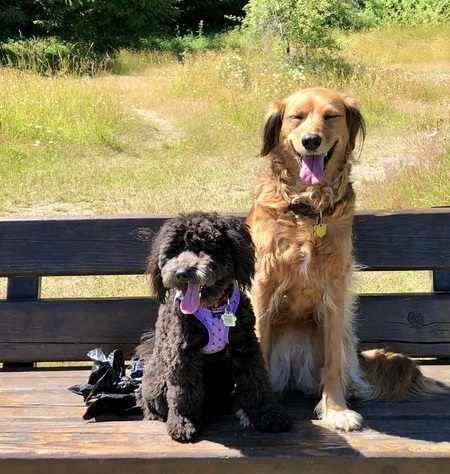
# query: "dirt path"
{"points": [[167, 132]]}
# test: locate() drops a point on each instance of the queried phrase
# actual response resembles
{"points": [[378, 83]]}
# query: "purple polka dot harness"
{"points": [[212, 320]]}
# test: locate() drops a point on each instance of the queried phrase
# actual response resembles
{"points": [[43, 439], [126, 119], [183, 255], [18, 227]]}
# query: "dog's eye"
{"points": [[331, 116], [297, 118]]}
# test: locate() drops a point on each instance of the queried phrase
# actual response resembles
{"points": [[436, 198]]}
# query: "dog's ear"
{"points": [[355, 121], [154, 269], [242, 251], [272, 126]]}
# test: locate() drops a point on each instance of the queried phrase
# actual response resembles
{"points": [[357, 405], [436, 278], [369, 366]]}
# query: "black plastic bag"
{"points": [[108, 389]]}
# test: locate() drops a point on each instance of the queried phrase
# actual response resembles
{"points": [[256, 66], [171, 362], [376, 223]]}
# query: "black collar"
{"points": [[225, 298], [303, 209]]}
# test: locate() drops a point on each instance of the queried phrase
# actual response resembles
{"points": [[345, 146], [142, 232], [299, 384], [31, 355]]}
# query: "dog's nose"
{"points": [[182, 274], [311, 141]]}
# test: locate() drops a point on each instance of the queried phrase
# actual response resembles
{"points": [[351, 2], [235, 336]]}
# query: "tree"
{"points": [[299, 24], [106, 24], [16, 18], [213, 14]]}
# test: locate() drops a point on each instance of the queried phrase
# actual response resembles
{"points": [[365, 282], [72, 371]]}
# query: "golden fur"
{"points": [[304, 309]]}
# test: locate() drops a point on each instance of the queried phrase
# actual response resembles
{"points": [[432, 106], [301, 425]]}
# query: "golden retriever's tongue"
{"points": [[311, 171], [191, 300]]}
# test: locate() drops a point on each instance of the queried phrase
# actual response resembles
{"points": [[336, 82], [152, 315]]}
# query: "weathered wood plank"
{"points": [[46, 352], [76, 246], [62, 330], [46, 426], [49, 330], [77, 320], [414, 323], [410, 239], [242, 465], [441, 280], [394, 240], [22, 288]]}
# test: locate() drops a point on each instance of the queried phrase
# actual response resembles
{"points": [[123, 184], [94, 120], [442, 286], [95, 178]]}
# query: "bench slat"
{"points": [[64, 330], [416, 324], [107, 245], [384, 240], [403, 239]]}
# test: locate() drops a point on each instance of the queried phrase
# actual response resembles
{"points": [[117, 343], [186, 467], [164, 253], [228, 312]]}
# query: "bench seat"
{"points": [[42, 430]]}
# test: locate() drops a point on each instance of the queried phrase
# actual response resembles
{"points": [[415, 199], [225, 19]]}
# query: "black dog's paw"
{"points": [[153, 415], [181, 428], [149, 410], [272, 420]]}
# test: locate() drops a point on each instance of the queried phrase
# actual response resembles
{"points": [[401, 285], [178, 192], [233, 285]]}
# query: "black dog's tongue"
{"points": [[191, 300]]}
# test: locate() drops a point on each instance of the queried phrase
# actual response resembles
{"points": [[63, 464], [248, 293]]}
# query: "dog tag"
{"points": [[320, 230], [229, 319]]}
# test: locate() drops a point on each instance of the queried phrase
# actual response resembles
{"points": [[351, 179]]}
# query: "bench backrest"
{"points": [[35, 329]]}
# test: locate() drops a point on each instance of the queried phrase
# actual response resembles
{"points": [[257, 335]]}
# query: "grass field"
{"points": [[164, 136]]}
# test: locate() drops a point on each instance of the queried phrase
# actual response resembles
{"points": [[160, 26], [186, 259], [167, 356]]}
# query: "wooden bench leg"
{"points": [[441, 280], [22, 288]]}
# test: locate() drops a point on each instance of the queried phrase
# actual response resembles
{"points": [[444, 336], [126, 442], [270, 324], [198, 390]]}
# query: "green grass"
{"points": [[165, 136], [412, 46]]}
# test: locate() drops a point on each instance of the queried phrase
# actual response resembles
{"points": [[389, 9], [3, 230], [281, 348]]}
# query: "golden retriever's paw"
{"points": [[345, 420]]}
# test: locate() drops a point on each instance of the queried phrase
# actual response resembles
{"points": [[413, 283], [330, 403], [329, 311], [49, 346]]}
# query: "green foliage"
{"points": [[50, 55], [85, 34], [300, 25], [215, 15], [16, 18], [106, 25], [376, 13], [180, 44]]}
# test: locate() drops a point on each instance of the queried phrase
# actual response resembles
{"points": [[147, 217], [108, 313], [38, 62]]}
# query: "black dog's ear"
{"points": [[154, 270], [272, 126], [242, 251]]}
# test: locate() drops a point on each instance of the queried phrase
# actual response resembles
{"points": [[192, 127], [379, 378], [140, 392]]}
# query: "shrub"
{"points": [[300, 25], [49, 55], [375, 13]]}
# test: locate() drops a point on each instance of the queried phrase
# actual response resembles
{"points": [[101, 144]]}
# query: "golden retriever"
{"points": [[301, 224]]}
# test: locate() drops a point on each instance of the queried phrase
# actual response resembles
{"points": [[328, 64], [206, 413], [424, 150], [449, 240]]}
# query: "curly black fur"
{"points": [[214, 252]]}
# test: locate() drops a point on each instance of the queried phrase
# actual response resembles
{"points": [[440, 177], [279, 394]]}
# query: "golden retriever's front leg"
{"points": [[261, 297], [332, 409]]}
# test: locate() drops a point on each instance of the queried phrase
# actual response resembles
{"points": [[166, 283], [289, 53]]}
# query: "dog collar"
{"points": [[299, 208], [217, 320], [303, 209]]}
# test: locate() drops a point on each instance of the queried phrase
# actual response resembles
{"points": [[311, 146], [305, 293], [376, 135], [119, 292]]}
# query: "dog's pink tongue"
{"points": [[311, 171], [191, 300]]}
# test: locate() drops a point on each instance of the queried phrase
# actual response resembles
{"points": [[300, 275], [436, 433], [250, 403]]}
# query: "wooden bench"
{"points": [[41, 425]]}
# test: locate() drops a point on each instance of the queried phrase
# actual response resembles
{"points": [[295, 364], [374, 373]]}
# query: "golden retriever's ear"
{"points": [[355, 121], [272, 127]]}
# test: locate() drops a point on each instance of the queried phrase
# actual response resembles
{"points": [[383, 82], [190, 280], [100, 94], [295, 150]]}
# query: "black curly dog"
{"points": [[198, 264]]}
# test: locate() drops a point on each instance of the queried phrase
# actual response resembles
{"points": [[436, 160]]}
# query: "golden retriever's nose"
{"points": [[311, 141]]}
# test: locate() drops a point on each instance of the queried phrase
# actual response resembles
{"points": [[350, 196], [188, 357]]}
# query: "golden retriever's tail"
{"points": [[394, 376]]}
